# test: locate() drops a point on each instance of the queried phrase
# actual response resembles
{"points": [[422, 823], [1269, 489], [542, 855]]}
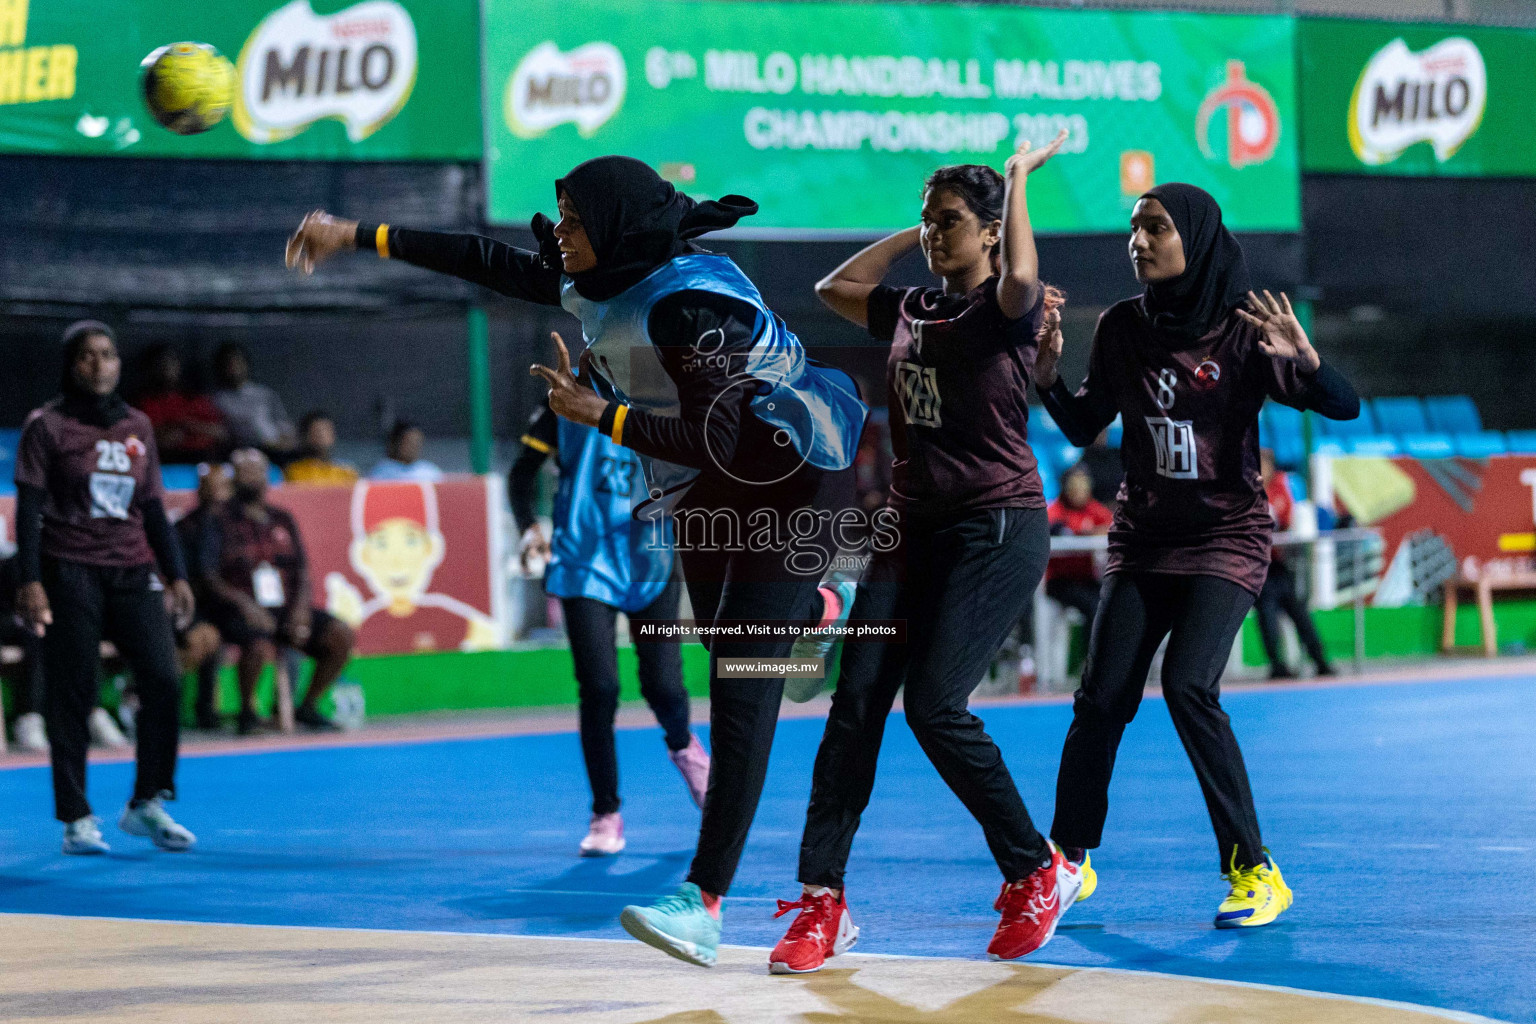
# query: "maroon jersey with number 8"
{"points": [[1192, 501]]}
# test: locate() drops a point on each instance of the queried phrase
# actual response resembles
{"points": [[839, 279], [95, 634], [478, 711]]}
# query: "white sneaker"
{"points": [[30, 733], [151, 819], [104, 731], [82, 837], [799, 688], [605, 836]]}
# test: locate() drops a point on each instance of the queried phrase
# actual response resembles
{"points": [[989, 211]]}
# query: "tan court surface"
{"points": [[87, 969]]}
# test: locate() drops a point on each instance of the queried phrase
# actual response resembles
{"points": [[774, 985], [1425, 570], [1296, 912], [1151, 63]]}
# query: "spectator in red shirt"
{"points": [[1073, 580], [188, 428], [1279, 593]]}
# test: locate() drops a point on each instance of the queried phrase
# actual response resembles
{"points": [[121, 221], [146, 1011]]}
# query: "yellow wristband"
{"points": [[618, 423], [381, 241]]}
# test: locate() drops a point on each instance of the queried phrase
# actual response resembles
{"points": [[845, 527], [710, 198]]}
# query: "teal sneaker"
{"points": [[802, 689], [678, 925]]}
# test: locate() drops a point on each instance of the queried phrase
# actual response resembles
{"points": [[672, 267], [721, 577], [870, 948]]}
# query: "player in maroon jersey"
{"points": [[1187, 364], [98, 557], [974, 540]]}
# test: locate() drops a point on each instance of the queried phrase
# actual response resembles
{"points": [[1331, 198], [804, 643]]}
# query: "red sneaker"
{"points": [[1032, 906], [823, 929]]}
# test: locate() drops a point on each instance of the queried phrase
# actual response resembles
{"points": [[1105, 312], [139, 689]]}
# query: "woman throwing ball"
{"points": [[974, 540], [1187, 364], [732, 420]]}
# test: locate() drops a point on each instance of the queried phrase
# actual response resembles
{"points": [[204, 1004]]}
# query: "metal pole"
{"points": [[1359, 608], [480, 439]]}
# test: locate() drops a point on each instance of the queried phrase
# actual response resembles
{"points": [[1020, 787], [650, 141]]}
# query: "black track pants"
{"points": [[1279, 595], [1200, 615]]}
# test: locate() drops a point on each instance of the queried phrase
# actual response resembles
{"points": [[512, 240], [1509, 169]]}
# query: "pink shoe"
{"points": [[693, 762], [605, 836]]}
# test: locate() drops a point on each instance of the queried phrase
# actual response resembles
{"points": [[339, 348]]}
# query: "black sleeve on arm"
{"points": [[1084, 415], [1330, 394], [704, 433], [882, 309], [538, 442], [162, 539], [29, 532], [479, 260]]}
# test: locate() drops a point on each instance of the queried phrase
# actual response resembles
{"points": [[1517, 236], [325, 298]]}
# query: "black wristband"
{"points": [[366, 234], [605, 425]]}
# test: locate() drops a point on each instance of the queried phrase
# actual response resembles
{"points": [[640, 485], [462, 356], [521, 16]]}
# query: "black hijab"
{"points": [[635, 220], [1215, 277], [102, 411]]}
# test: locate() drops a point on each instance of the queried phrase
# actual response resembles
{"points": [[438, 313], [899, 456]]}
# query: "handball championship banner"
{"points": [[831, 115], [317, 79], [1438, 517], [412, 567], [1416, 99]]}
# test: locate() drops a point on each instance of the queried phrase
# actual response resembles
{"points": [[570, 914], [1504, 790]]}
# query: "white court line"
{"points": [[1390, 1004]]}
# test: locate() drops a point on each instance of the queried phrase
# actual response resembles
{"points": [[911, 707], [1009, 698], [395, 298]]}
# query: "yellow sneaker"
{"points": [[1090, 878], [1258, 896]]}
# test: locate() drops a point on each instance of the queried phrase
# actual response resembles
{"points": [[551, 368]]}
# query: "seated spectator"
{"points": [[188, 428], [199, 646], [254, 570], [317, 436], [1279, 592], [402, 457], [253, 412], [1103, 463], [1073, 580]]}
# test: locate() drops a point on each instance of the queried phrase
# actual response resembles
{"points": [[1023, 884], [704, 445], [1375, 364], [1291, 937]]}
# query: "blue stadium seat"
{"points": [[1040, 419], [1453, 414], [1280, 430], [1280, 418], [1298, 482], [1428, 446], [1372, 444], [1365, 423], [1062, 455], [1329, 446], [178, 477], [1400, 416], [1521, 442], [9, 440], [1288, 449], [1479, 445], [1049, 481]]}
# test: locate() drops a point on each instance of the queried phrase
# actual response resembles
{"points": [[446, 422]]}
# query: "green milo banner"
{"points": [[830, 115], [331, 80], [1417, 99]]}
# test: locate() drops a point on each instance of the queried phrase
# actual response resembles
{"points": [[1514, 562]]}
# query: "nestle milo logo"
{"points": [[357, 66], [585, 86], [1403, 98]]}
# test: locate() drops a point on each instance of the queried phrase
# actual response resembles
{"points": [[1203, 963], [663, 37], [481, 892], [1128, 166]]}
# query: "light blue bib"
{"points": [[817, 407], [600, 550]]}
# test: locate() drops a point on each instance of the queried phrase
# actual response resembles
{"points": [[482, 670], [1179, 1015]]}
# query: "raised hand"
{"points": [[319, 237], [1280, 333], [1049, 353], [569, 398], [1026, 159]]}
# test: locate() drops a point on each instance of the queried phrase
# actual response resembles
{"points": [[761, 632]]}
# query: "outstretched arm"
{"points": [[846, 290], [1018, 287], [484, 261]]}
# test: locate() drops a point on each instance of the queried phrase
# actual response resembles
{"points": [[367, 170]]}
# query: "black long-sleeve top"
{"points": [[701, 338]]}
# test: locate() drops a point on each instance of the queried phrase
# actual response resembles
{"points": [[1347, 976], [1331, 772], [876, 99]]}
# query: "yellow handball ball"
{"points": [[188, 87]]}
